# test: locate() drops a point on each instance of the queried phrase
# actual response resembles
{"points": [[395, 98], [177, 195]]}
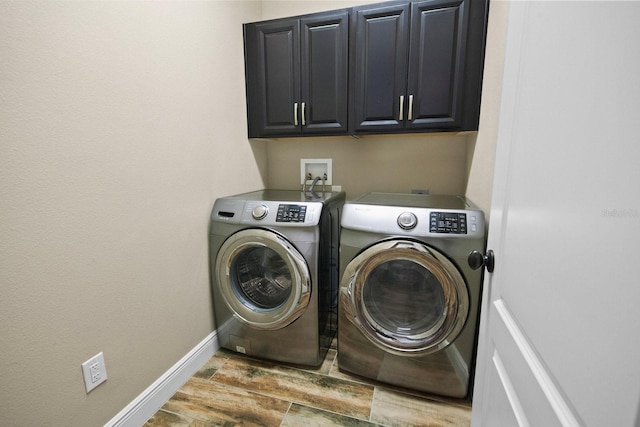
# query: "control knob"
{"points": [[259, 212], [407, 220]]}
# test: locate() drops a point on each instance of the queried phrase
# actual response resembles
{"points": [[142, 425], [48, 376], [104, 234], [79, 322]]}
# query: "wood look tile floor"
{"points": [[235, 390]]}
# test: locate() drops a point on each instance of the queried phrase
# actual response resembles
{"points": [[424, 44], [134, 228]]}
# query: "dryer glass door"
{"points": [[263, 278], [408, 297]]}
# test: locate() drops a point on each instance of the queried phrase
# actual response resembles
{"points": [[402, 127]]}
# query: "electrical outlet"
{"points": [[312, 168], [94, 371]]}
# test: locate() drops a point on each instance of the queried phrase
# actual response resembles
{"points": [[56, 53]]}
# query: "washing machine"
{"points": [[274, 266], [409, 301]]}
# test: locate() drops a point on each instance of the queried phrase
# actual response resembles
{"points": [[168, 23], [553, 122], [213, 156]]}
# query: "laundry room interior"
{"points": [[122, 125]]}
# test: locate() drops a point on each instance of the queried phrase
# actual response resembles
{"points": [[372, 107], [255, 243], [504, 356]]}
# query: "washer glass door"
{"points": [[263, 278], [407, 297]]}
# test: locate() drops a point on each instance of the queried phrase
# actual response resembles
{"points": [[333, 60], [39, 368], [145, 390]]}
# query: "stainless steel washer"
{"points": [[275, 275], [409, 301]]}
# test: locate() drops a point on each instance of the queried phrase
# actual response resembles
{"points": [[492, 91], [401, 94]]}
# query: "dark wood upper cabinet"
{"points": [[390, 67], [380, 47], [296, 72], [413, 68], [437, 55]]}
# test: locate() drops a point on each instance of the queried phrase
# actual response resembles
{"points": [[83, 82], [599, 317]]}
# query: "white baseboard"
{"points": [[149, 401]]}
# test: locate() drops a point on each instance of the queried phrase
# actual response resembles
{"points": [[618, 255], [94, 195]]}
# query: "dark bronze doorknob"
{"points": [[476, 260]]}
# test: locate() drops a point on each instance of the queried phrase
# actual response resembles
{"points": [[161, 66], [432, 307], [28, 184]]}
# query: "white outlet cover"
{"points": [[94, 371]]}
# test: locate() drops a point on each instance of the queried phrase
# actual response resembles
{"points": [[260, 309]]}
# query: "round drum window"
{"points": [[408, 298], [404, 298], [261, 277]]}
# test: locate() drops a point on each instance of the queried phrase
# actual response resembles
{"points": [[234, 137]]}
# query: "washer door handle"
{"points": [[350, 285], [476, 260]]}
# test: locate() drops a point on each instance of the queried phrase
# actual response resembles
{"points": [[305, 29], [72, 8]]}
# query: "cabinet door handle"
{"points": [[410, 113], [295, 114], [401, 112], [304, 121]]}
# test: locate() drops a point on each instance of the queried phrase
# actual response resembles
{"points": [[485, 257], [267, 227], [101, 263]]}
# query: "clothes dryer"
{"points": [[409, 300], [275, 273]]}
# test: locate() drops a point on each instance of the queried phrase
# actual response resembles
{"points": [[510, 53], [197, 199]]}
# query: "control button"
{"points": [[407, 220], [259, 212]]}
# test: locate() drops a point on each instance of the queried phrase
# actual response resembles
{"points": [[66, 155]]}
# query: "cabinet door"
{"points": [[324, 73], [378, 80], [272, 52], [435, 85]]}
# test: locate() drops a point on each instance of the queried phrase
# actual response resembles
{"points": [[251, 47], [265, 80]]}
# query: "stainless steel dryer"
{"points": [[275, 273], [408, 299]]}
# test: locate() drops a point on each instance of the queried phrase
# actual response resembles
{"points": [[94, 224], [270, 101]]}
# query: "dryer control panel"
{"points": [[417, 222], [448, 222]]}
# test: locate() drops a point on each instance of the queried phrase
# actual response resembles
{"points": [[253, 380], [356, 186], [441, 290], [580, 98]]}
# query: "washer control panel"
{"points": [[291, 213], [276, 213]]}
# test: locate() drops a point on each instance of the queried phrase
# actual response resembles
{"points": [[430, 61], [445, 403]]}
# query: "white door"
{"points": [[560, 324]]}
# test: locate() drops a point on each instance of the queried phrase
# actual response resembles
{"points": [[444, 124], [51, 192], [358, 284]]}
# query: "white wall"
{"points": [[389, 163], [482, 145], [120, 123]]}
